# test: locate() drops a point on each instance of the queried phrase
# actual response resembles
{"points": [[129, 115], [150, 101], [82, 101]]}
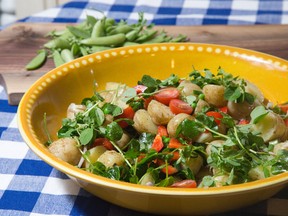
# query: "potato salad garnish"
{"points": [[204, 130]]}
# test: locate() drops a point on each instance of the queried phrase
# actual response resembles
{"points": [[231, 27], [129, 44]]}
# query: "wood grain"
{"points": [[20, 42]]}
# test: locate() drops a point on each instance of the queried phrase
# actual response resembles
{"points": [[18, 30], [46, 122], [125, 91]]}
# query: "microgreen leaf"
{"points": [[111, 109], [173, 80], [232, 94], [113, 173], [189, 129], [86, 136], [128, 94], [113, 131], [166, 182], [258, 113], [207, 181], [190, 99], [96, 115], [149, 81]]}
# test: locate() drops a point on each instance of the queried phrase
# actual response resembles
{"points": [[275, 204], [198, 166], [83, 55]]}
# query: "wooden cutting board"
{"points": [[20, 42]]}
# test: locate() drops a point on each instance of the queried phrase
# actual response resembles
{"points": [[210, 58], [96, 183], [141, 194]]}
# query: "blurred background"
{"points": [[11, 10]]}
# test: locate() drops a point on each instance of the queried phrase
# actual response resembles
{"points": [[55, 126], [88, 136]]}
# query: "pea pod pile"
{"points": [[95, 35], [205, 130]]}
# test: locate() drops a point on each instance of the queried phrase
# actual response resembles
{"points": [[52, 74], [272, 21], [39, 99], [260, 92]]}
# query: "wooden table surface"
{"points": [[20, 42]]}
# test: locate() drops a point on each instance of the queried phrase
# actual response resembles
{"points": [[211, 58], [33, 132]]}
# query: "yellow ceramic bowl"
{"points": [[53, 92]]}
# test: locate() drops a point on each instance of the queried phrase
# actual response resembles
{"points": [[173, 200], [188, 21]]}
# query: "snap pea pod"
{"points": [[75, 49], [94, 35], [147, 35], [65, 35], [109, 22], [120, 29], [57, 43], [90, 20], [132, 35], [66, 55], [157, 39], [56, 33], [57, 58], [81, 33], [37, 61], [99, 48], [98, 29], [128, 43], [84, 51], [111, 40], [179, 38]]}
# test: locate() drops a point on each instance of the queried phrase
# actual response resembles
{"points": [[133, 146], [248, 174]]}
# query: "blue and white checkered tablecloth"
{"points": [[28, 186], [173, 12]]}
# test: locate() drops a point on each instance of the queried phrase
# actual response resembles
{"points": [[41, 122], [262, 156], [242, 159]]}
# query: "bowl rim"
{"points": [[85, 176]]}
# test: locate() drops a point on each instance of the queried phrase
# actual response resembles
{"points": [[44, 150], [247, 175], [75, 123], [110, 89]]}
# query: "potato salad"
{"points": [[205, 130]]}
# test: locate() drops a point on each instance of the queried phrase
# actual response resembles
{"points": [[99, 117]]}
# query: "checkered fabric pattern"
{"points": [[171, 12], [28, 186]]}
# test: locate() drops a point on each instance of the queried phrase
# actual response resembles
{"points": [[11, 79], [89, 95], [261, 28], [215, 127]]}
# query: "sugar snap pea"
{"points": [[111, 40], [128, 43], [99, 48], [124, 28], [57, 58], [56, 33], [66, 55], [157, 39], [179, 38], [84, 51], [78, 32], [66, 35], [98, 28], [37, 61], [94, 35], [109, 22], [147, 35], [91, 20], [132, 35], [75, 49], [57, 43]]}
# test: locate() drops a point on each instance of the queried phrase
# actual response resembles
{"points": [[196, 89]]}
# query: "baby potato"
{"points": [[108, 119], [117, 87], [123, 141], [187, 88], [143, 122], [200, 105], [285, 135], [175, 121], [214, 95], [221, 180], [216, 143], [194, 164], [108, 96], [66, 149], [271, 127], [147, 179], [204, 137], [73, 109], [113, 94], [159, 113], [110, 158], [94, 154], [280, 146], [256, 173], [239, 110], [255, 91]]}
